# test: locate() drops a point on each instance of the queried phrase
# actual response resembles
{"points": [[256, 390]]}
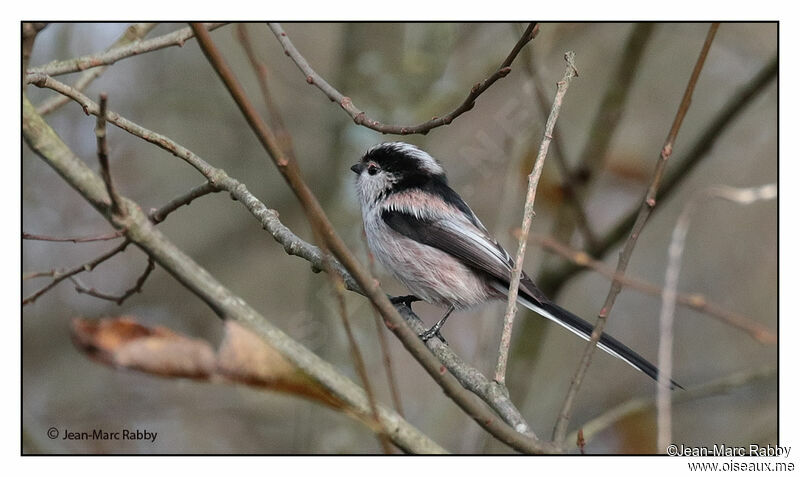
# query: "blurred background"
{"points": [[631, 81]]}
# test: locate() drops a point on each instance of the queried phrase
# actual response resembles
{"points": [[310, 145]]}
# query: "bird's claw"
{"points": [[431, 333], [406, 300]]}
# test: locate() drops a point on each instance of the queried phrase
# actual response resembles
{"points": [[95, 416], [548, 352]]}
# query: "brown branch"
{"points": [[742, 196], [156, 216], [132, 34], [360, 117], [718, 386], [695, 301], [368, 285], [527, 218], [469, 377], [553, 279], [337, 284], [41, 138], [94, 238], [568, 181], [648, 203], [118, 299], [383, 342], [102, 157], [59, 275], [111, 56], [281, 132]]}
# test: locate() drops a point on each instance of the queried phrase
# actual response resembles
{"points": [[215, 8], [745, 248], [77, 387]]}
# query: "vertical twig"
{"points": [[649, 202], [394, 390], [743, 196], [533, 180], [132, 34], [317, 216], [358, 360], [281, 132], [102, 156]]}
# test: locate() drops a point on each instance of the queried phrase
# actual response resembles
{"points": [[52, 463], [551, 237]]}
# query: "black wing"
{"points": [[475, 248], [465, 241]]}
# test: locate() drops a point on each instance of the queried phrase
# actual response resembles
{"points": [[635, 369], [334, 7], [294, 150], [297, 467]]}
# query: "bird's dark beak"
{"points": [[357, 168]]}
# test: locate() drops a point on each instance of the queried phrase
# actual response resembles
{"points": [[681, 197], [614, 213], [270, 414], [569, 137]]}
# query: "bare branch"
{"points": [[58, 275], [294, 245], [281, 132], [118, 299], [361, 118], [156, 216], [46, 143], [551, 280], [383, 342], [743, 196], [102, 156], [132, 34], [718, 386], [111, 56], [568, 181], [527, 218], [367, 284], [695, 301], [648, 203], [95, 238]]}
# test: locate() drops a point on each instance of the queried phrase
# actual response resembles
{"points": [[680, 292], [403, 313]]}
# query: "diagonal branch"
{"points": [[294, 245], [695, 301], [141, 231], [553, 279], [527, 218], [156, 216], [360, 117], [742, 196], [132, 34], [648, 203], [319, 220], [111, 56]]}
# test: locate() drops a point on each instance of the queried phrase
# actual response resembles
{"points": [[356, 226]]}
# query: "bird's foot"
{"points": [[406, 300], [434, 331]]}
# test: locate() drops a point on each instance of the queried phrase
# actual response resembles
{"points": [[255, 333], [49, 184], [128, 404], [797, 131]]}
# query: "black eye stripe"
{"points": [[372, 169]]}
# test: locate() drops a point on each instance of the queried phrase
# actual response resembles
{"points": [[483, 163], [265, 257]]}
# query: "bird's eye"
{"points": [[372, 169]]}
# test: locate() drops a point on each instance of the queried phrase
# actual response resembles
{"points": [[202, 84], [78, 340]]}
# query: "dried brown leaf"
{"points": [[123, 342]]}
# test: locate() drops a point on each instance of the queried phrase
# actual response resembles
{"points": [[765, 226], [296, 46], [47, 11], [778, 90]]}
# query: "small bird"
{"points": [[424, 233]]}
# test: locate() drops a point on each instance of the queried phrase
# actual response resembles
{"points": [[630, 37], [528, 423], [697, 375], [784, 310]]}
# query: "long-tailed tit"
{"points": [[424, 233]]}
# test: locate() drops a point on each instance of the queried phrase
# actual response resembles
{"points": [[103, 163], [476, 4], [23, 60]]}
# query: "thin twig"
{"points": [[568, 180], [553, 279], [394, 390], [41, 138], [468, 377], [368, 285], [282, 133], [102, 157], [742, 196], [648, 203], [355, 352], [58, 275], [695, 301], [111, 56], [156, 216], [722, 385], [94, 238], [118, 299], [361, 118], [527, 218], [132, 34]]}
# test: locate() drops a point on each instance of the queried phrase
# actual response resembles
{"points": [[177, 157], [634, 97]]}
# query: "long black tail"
{"points": [[582, 328]]}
